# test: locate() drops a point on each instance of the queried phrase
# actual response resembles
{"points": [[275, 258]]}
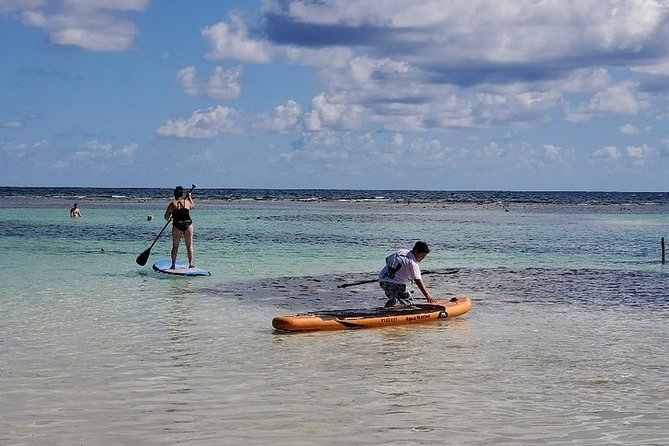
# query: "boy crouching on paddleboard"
{"points": [[400, 270]]}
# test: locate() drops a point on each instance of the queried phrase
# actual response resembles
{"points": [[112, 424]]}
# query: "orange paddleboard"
{"points": [[375, 317]]}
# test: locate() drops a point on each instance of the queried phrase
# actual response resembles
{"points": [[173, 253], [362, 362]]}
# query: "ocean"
{"points": [[565, 343]]}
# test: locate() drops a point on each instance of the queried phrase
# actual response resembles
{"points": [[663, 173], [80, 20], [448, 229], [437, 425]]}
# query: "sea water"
{"points": [[565, 343]]}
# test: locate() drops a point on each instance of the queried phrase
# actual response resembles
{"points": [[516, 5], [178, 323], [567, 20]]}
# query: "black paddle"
{"points": [[362, 282], [143, 257]]}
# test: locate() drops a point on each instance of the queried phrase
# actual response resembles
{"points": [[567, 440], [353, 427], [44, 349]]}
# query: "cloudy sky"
{"points": [[353, 94]]}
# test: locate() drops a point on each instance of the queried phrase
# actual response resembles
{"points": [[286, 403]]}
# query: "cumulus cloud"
{"points": [[637, 156], [221, 84], [232, 41], [208, 123], [629, 129], [659, 68], [95, 150], [381, 150], [284, 117], [397, 140], [97, 25], [325, 113], [608, 152], [622, 99], [552, 152], [463, 42], [407, 65], [13, 150]]}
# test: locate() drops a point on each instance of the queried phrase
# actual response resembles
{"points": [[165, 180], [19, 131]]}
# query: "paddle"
{"points": [[143, 257], [362, 282]]}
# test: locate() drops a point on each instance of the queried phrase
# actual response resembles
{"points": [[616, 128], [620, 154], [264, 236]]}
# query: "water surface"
{"points": [[565, 344]]}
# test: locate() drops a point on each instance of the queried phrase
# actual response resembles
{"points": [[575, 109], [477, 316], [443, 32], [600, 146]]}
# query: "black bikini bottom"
{"points": [[182, 225]]}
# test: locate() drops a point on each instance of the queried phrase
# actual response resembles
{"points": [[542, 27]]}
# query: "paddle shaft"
{"points": [[143, 257], [159, 234], [362, 282]]}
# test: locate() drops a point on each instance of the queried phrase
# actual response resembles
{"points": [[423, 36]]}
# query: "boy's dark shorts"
{"points": [[396, 293]]}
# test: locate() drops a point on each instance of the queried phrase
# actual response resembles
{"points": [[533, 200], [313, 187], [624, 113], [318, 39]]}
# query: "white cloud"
{"points": [[659, 68], [375, 149], [129, 150], [326, 114], [622, 98], [608, 152], [324, 58], [41, 144], [14, 150], [639, 155], [474, 31], [111, 5], [222, 84], [553, 153], [629, 129], [398, 140], [202, 124], [206, 156], [233, 42], [188, 79], [95, 150], [509, 60], [284, 117], [95, 25]]}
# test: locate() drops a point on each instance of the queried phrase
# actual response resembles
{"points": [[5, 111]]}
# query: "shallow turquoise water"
{"points": [[566, 342]]}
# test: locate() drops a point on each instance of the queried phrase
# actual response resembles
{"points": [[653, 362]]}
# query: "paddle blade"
{"points": [[143, 257]]}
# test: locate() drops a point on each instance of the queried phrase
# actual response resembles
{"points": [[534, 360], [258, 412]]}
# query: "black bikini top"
{"points": [[180, 213]]}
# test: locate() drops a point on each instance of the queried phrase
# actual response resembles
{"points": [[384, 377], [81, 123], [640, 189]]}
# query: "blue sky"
{"points": [[376, 94]]}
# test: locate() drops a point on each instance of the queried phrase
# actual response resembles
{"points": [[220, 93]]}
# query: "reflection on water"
{"points": [[179, 324]]}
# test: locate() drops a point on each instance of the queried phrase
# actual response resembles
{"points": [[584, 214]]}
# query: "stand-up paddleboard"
{"points": [[373, 317], [182, 269]]}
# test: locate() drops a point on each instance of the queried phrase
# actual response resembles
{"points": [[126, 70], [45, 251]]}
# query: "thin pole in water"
{"points": [[663, 250]]}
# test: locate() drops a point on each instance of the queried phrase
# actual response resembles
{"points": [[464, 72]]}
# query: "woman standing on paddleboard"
{"points": [[182, 226]]}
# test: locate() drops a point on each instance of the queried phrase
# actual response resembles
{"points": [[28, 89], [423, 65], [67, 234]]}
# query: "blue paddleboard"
{"points": [[181, 269]]}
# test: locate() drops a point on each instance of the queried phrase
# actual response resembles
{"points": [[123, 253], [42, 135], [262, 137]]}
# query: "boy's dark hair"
{"points": [[421, 247]]}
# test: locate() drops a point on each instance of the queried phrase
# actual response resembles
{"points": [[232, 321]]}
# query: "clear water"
{"points": [[565, 344]]}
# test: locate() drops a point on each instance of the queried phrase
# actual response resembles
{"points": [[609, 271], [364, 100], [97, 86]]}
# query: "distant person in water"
{"points": [[182, 226], [402, 269], [75, 212]]}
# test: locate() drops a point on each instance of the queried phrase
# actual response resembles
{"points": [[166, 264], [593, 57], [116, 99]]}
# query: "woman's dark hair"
{"points": [[178, 192]]}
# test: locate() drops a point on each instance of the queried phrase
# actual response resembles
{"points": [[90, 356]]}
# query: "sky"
{"points": [[341, 94]]}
